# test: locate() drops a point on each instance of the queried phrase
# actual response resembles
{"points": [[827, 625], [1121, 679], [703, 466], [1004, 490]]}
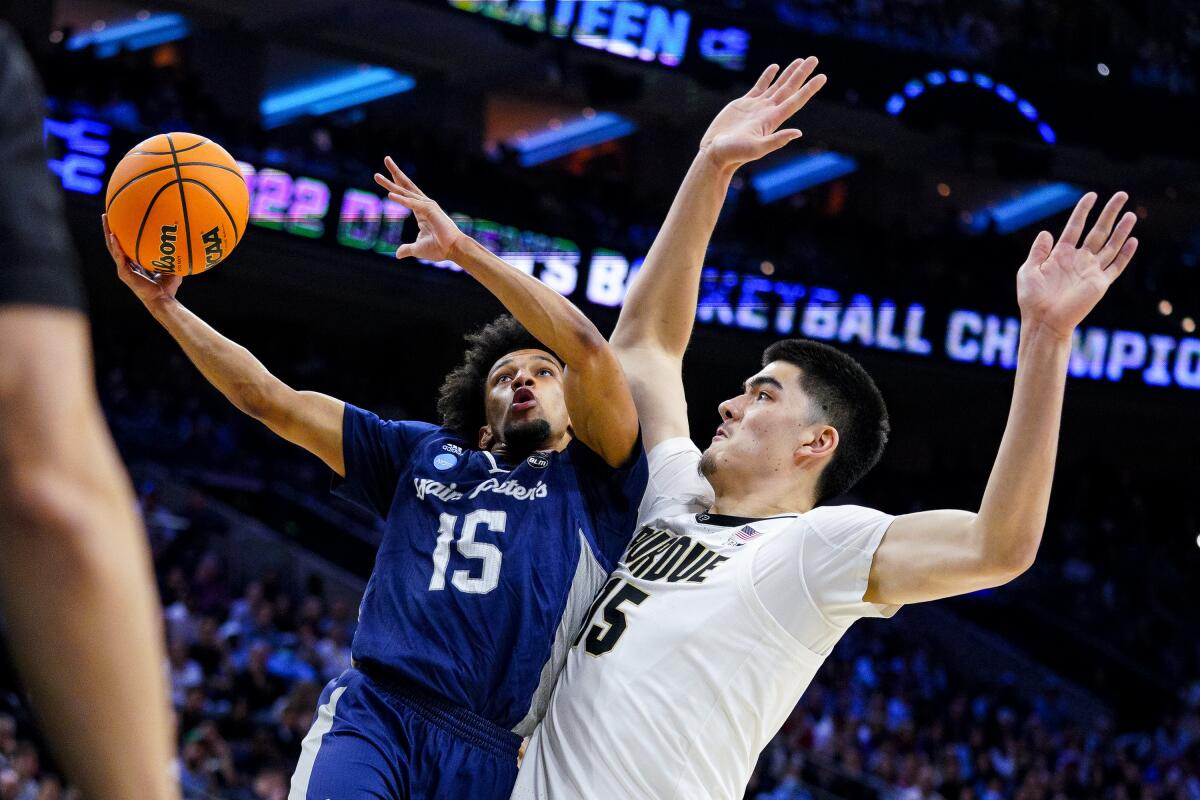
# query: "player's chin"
{"points": [[529, 432]]}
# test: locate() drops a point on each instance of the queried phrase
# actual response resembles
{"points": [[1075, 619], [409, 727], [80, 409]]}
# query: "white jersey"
{"points": [[700, 644]]}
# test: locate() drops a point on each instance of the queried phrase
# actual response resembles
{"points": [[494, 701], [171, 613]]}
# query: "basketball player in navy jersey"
{"points": [[500, 526]]}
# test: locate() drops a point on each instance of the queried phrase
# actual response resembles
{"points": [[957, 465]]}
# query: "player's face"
{"points": [[762, 428], [525, 404]]}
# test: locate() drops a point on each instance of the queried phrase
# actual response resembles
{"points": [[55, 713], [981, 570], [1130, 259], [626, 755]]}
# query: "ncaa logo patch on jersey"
{"points": [[538, 460], [445, 461]]}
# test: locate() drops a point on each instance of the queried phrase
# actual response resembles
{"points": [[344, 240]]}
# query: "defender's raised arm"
{"points": [[660, 309], [934, 554]]}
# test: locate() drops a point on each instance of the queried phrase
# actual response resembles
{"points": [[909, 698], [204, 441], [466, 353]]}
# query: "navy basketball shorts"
{"points": [[375, 741]]}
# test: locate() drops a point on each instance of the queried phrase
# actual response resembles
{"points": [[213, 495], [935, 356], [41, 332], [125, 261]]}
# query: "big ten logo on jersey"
{"points": [[653, 555]]}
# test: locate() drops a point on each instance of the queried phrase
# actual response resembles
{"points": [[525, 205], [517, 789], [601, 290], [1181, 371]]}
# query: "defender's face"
{"points": [[762, 427], [525, 394]]}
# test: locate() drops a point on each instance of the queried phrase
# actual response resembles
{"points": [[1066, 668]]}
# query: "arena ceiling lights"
{"points": [[799, 174], [147, 30], [333, 93], [937, 79], [1023, 209], [559, 140]]}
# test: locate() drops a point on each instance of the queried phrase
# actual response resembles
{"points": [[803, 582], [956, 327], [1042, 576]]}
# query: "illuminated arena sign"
{"points": [[84, 144], [651, 32], [784, 308], [629, 29], [366, 221]]}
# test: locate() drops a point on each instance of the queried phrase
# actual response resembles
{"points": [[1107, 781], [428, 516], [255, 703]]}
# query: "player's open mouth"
{"points": [[523, 399]]}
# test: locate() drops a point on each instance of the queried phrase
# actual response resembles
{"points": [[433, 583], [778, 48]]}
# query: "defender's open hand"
{"points": [[1060, 283], [746, 129]]}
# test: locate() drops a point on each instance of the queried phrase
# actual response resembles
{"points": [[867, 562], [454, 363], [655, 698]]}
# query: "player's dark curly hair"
{"points": [[849, 401], [461, 400]]}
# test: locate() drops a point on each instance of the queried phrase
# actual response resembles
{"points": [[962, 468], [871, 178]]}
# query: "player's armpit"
{"points": [[934, 554], [656, 380], [307, 419], [603, 414]]}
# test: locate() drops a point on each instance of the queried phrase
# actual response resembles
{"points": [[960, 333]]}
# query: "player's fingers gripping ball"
{"points": [[178, 204]]}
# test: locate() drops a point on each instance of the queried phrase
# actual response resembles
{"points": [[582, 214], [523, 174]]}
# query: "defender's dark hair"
{"points": [[461, 398], [848, 400]]}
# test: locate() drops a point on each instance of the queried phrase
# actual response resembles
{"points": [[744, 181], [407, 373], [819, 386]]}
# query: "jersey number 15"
{"points": [[488, 554]]}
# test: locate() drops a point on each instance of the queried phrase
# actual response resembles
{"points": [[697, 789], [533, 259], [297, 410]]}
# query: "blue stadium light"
{"points": [[1026, 208], [551, 143], [334, 93], [133, 34], [917, 87], [799, 174]]}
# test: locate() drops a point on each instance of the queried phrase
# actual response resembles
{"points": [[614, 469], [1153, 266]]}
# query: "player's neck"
{"points": [[757, 500]]}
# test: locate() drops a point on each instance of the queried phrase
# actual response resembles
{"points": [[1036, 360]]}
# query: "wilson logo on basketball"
{"points": [[166, 248], [214, 247]]}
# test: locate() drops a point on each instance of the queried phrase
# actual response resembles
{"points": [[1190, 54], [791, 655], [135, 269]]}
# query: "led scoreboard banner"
{"points": [[667, 34], [365, 221]]}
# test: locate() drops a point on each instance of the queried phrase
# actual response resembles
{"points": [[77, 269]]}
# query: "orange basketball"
{"points": [[177, 203]]}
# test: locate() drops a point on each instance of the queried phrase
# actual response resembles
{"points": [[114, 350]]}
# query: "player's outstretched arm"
{"points": [[308, 419], [935, 554], [660, 309], [598, 399]]}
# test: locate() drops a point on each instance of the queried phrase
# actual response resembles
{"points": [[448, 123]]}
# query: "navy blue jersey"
{"points": [[486, 568]]}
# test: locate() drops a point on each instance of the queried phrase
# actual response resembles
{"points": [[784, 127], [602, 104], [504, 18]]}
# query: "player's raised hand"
{"points": [[437, 233], [748, 128], [1061, 282], [147, 287]]}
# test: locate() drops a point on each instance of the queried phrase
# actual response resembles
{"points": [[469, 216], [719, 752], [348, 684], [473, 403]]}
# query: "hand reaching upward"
{"points": [[746, 129], [437, 234], [1060, 283]]}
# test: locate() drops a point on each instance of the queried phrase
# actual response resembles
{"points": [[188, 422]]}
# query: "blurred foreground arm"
{"points": [[77, 592], [76, 585], [935, 554], [598, 399], [308, 419], [656, 320]]}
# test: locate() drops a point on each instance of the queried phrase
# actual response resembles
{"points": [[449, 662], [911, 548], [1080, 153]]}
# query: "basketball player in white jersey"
{"points": [[740, 582]]}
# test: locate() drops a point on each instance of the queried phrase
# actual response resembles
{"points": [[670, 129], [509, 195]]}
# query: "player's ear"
{"points": [[486, 438], [816, 441]]}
